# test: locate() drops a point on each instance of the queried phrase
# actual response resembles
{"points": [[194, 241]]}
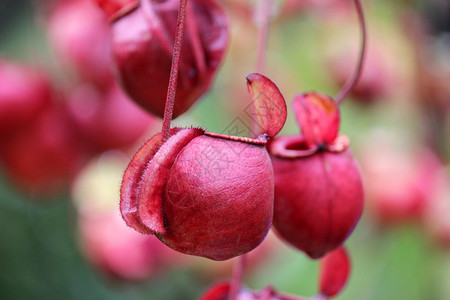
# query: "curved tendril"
{"points": [[172, 88], [238, 271], [353, 80]]}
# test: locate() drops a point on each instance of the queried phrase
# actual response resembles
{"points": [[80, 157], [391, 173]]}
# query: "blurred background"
{"points": [[67, 133]]}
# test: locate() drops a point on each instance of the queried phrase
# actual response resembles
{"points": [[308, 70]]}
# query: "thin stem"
{"points": [[236, 280], [171, 90], [353, 80], [263, 16], [262, 22]]}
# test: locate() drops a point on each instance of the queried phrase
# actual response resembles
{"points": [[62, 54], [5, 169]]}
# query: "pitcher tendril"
{"points": [[353, 79]]}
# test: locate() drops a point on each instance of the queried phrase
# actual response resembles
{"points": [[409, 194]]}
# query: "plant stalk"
{"points": [[173, 79]]}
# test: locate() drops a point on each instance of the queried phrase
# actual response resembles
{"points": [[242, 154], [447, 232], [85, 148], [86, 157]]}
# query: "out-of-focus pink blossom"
{"points": [[399, 182], [80, 34], [378, 80], [437, 214], [46, 155], [117, 249], [24, 94], [106, 241], [107, 119]]}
